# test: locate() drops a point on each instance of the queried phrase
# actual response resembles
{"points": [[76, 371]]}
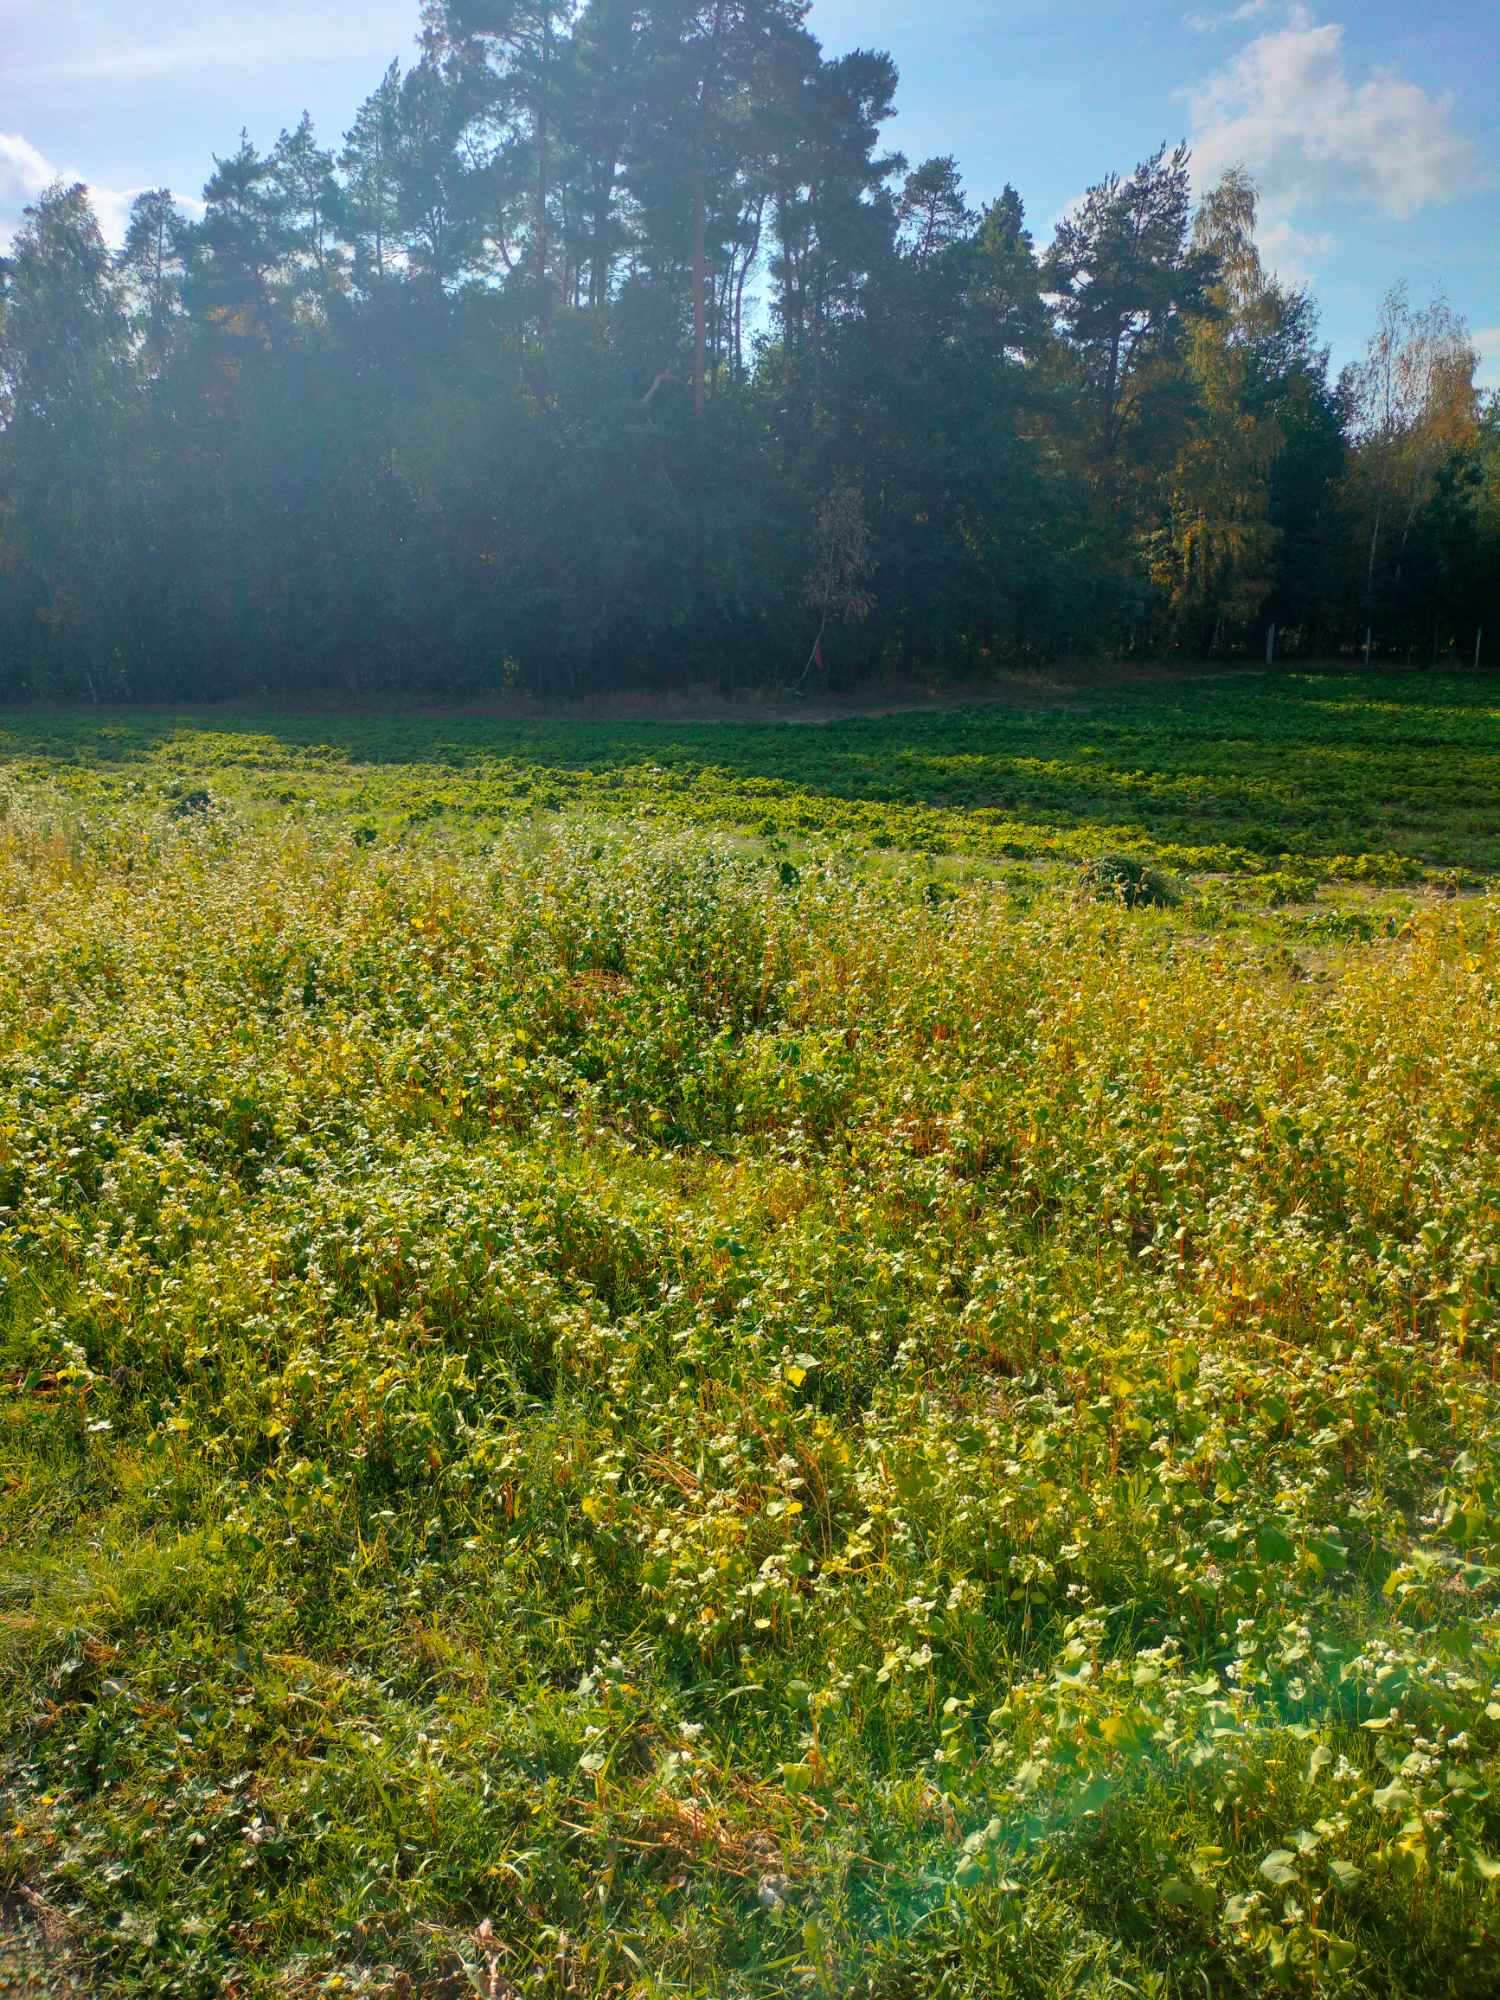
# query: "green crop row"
{"points": [[1353, 776]]}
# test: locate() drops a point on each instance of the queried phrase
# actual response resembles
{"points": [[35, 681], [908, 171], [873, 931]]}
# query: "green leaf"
{"points": [[1179, 1894], [1274, 1543], [1184, 1368]]}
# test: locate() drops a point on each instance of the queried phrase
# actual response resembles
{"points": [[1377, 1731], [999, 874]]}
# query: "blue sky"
{"points": [[1371, 127]]}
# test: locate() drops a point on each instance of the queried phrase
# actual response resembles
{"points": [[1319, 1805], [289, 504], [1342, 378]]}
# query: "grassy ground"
{"points": [[1348, 776], [648, 1361]]}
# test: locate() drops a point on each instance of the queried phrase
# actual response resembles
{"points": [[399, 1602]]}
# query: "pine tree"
{"points": [[369, 204], [66, 372], [1126, 281], [152, 264], [1216, 547], [308, 205]]}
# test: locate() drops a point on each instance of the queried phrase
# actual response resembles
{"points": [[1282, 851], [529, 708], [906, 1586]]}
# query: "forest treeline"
{"points": [[610, 347]]}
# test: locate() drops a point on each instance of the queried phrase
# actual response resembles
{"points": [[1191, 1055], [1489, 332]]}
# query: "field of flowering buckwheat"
{"points": [[639, 1361]]}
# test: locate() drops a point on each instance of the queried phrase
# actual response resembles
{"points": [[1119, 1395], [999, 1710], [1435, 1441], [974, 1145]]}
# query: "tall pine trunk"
{"points": [[700, 272], [700, 216]]}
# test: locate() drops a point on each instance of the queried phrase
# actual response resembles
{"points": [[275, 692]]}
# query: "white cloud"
{"points": [[1289, 108], [25, 172], [1293, 253], [1071, 207], [112, 206], [1487, 341], [1209, 24]]}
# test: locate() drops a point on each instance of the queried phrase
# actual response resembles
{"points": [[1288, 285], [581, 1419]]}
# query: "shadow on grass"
{"points": [[1321, 763]]}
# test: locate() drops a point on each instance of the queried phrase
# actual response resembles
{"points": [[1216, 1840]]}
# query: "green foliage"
{"points": [[1326, 777], [602, 1401], [612, 348], [1120, 878]]}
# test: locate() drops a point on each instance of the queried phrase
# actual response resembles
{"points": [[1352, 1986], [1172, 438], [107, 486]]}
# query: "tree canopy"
{"points": [[611, 345]]}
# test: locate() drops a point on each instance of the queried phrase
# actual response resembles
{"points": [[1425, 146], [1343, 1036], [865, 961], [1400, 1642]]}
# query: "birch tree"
{"points": [[1413, 404]]}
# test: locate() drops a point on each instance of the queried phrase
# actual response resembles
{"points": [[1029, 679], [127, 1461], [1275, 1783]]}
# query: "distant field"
{"points": [[1219, 774], [646, 1360]]}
